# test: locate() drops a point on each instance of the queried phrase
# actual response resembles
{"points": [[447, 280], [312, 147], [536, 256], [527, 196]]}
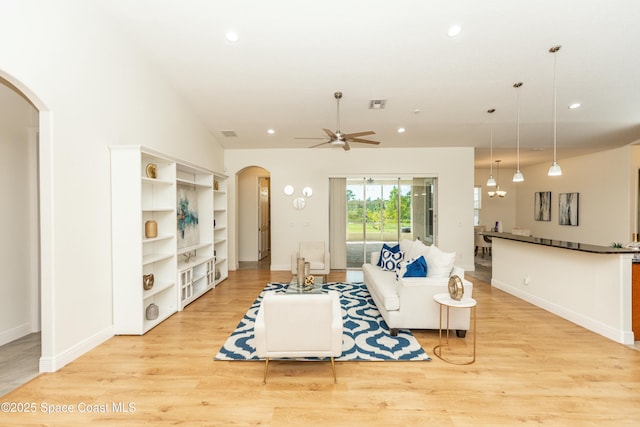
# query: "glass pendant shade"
{"points": [[491, 182], [554, 170], [518, 177]]}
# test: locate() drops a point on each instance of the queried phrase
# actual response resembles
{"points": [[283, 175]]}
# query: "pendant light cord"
{"points": [[555, 104]]}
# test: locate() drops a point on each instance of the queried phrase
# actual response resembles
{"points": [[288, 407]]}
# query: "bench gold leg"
{"points": [[266, 369], [333, 366]]}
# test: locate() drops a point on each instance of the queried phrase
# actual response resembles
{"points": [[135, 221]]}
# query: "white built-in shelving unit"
{"points": [[183, 265], [220, 232]]}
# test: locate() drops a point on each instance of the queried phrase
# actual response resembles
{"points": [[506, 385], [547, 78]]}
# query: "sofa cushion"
{"points": [[416, 268], [440, 263], [384, 285], [390, 260], [393, 249]]}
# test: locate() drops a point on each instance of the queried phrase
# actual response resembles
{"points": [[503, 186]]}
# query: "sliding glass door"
{"points": [[385, 210]]}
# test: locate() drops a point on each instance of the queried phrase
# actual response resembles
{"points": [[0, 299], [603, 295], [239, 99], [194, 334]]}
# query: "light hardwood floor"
{"points": [[532, 368]]}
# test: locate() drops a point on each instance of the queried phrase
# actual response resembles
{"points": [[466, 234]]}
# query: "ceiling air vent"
{"points": [[377, 104], [228, 133]]}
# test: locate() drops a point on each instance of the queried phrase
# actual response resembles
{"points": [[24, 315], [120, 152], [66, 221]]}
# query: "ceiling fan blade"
{"points": [[354, 135], [330, 133], [346, 147], [302, 137], [364, 141], [318, 145]]}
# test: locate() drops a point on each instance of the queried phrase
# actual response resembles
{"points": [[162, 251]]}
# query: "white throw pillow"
{"points": [[406, 245], [419, 249], [440, 263]]}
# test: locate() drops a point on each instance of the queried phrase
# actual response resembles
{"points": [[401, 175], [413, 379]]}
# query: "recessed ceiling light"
{"points": [[271, 131], [401, 130], [454, 31], [574, 106], [231, 36]]}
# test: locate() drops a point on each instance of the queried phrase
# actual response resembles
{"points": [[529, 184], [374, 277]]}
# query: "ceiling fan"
{"points": [[339, 139]]}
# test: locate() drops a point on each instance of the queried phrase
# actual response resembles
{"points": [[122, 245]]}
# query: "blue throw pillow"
{"points": [[394, 249], [417, 268], [391, 260]]}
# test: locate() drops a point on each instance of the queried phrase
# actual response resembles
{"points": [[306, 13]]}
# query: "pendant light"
{"points": [[554, 169], [491, 182], [518, 177], [497, 191]]}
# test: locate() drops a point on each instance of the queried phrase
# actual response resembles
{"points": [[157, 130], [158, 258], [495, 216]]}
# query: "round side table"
{"points": [[444, 300]]}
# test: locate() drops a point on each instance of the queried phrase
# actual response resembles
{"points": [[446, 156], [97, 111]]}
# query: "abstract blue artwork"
{"points": [[187, 217]]}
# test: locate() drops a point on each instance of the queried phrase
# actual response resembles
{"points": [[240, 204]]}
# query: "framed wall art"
{"points": [[542, 206], [568, 208]]}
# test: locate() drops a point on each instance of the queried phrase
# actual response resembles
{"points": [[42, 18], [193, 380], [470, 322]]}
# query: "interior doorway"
{"points": [[254, 218], [20, 324], [264, 216]]}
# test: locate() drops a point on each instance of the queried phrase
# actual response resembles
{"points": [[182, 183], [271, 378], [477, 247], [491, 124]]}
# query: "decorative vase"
{"points": [[300, 271], [147, 281], [152, 312], [150, 229], [215, 185]]}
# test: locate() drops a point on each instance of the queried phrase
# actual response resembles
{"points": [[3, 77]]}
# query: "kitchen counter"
{"points": [[584, 247]]}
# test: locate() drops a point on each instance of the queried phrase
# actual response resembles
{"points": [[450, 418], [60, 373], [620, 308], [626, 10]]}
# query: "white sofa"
{"points": [[407, 302]]}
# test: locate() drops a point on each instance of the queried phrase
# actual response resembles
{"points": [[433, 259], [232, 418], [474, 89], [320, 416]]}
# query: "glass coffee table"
{"points": [[315, 288]]}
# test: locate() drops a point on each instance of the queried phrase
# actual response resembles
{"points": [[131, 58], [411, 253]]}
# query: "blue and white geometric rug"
{"points": [[365, 334]]}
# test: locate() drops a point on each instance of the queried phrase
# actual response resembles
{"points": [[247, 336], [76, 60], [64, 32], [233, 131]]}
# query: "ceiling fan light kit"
{"points": [[339, 139]]}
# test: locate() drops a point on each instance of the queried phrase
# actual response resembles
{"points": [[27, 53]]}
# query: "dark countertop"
{"points": [[583, 247]]}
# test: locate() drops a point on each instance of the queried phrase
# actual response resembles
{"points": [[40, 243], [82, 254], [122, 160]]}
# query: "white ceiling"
{"points": [[292, 56]]}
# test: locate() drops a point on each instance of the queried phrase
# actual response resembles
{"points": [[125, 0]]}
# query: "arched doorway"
{"points": [[32, 251], [254, 218], [20, 338]]}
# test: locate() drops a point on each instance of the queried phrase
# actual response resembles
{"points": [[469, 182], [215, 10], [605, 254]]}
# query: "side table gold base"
{"points": [[437, 350]]}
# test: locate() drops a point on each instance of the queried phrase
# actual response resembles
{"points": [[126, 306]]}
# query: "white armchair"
{"points": [[316, 253], [299, 325]]}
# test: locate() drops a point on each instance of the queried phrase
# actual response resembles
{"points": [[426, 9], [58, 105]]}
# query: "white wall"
{"points": [[603, 181], [608, 202], [497, 209], [305, 167], [96, 91], [248, 221], [18, 124]]}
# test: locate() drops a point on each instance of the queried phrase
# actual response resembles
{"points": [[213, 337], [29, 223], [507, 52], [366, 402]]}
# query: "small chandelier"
{"points": [[491, 182], [518, 177], [497, 191], [554, 169]]}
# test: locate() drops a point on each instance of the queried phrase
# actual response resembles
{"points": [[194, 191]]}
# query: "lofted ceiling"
{"points": [[291, 56]]}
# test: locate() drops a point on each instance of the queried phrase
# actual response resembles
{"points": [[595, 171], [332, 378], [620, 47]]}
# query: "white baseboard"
{"points": [[15, 333], [53, 363]]}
